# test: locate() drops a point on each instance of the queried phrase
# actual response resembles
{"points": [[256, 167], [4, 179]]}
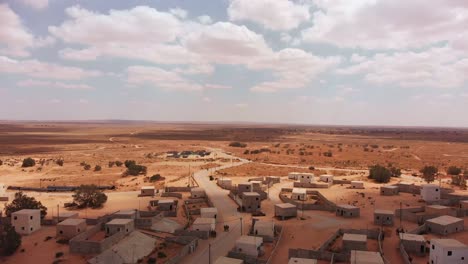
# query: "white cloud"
{"points": [[160, 78], [205, 19], [207, 99], [285, 37], [436, 67], [357, 58], [55, 101], [272, 14], [241, 105], [36, 4], [379, 24], [15, 39], [40, 83], [83, 101], [79, 55], [179, 12], [37, 69]]}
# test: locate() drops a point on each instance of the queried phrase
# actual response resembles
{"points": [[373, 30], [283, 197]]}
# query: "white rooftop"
{"points": [[445, 220], [125, 212], [226, 260], [166, 201], [250, 240], [119, 221], [268, 224], [412, 237], [366, 257], [436, 206], [71, 222], [209, 210], [299, 190], [204, 221], [147, 187], [302, 261], [384, 212], [285, 205], [354, 237], [347, 206], [390, 186], [27, 211], [251, 194], [197, 189], [452, 243]]}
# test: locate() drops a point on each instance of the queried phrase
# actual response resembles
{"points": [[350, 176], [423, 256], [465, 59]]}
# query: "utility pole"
{"points": [[241, 226], [209, 253], [401, 213], [58, 213]]}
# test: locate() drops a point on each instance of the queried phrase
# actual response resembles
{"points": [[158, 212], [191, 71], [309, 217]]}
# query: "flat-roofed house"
{"points": [[444, 225], [119, 225], [294, 175], [147, 191], [306, 177], [389, 190], [204, 224], [71, 227], [299, 194], [249, 245], [125, 214], [244, 187], [209, 212], [326, 178], [166, 204], [264, 228], [250, 202], [225, 183], [346, 210], [366, 257], [227, 260], [357, 185], [430, 192], [26, 221], [285, 210], [197, 192], [256, 186], [414, 244], [448, 251], [383, 217], [354, 242], [464, 204], [302, 261], [438, 210], [65, 215]]}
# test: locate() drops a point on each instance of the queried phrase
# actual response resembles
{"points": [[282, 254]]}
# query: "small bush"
{"points": [[311, 168], [87, 167], [111, 164], [237, 144], [246, 152], [59, 162], [97, 168], [28, 162], [452, 170], [118, 163], [161, 254], [58, 254], [156, 177]]}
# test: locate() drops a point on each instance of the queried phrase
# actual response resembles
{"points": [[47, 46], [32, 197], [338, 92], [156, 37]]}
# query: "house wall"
{"points": [[203, 227], [70, 231], [345, 212], [439, 255], [23, 223], [147, 192], [208, 214], [250, 204], [445, 229], [285, 212], [248, 249], [388, 191], [430, 193], [383, 219], [354, 245], [127, 228], [414, 247]]}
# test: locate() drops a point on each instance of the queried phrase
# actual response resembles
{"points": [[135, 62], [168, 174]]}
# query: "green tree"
{"points": [[135, 170], [28, 162], [129, 163], [89, 196], [395, 172], [453, 170], [118, 163], [10, 241], [379, 174], [22, 201], [156, 177], [97, 168], [429, 173], [237, 144], [111, 164]]}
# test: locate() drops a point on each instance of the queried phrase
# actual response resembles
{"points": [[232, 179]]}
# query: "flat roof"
{"points": [[406, 183], [445, 220], [27, 211], [166, 201], [326, 175], [245, 183], [354, 237], [464, 201], [390, 187], [256, 182], [269, 224], [119, 221], [251, 194], [226, 260], [453, 243], [366, 257], [125, 212], [194, 189], [436, 206], [347, 206], [250, 240], [299, 190], [72, 222], [385, 212], [209, 209], [428, 185], [412, 237], [67, 214], [357, 182], [147, 188], [302, 261], [285, 205], [224, 179], [204, 220]]}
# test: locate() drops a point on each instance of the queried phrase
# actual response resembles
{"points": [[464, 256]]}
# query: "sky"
{"points": [[334, 62]]}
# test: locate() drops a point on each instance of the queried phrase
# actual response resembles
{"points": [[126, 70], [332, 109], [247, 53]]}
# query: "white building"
{"points": [[226, 260], [225, 183], [430, 192], [357, 184], [302, 261], [249, 245], [299, 194], [293, 175], [448, 251], [147, 191], [120, 225], [256, 185], [326, 178], [366, 257], [264, 228], [204, 224], [306, 177], [209, 212], [71, 227], [26, 221], [197, 192]]}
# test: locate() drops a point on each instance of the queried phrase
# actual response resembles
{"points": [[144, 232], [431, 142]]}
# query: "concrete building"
{"points": [[209, 212], [346, 210], [430, 192], [3, 194], [256, 186], [66, 215], [225, 183], [293, 175], [389, 190], [244, 187], [464, 204], [306, 177], [264, 228], [354, 242], [299, 194], [250, 202], [71, 227], [197, 192], [125, 214], [204, 224], [272, 179], [414, 244], [147, 191], [26, 221], [444, 225], [357, 184], [249, 245], [226, 260], [444, 251], [119, 225], [166, 205], [326, 178], [284, 210], [366, 257], [302, 261], [383, 217], [438, 210]]}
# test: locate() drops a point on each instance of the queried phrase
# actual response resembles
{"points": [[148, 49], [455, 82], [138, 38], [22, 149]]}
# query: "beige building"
{"points": [[66, 215], [306, 177], [244, 187], [414, 244], [326, 178], [256, 186], [197, 192], [71, 227], [166, 204], [366, 257], [464, 204], [284, 210], [438, 210], [389, 190], [204, 224], [444, 225], [251, 202], [299, 194], [346, 210], [125, 214], [249, 245], [430, 192], [264, 228], [448, 251], [383, 217], [226, 260], [294, 175], [209, 212], [357, 185], [225, 183], [120, 225], [302, 261], [354, 242], [26, 221], [147, 191]]}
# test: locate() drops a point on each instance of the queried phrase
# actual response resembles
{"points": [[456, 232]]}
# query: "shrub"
{"points": [[87, 167], [156, 177], [161, 254], [111, 164], [1, 162], [135, 170], [22, 201], [10, 241], [237, 144], [246, 152], [151, 260], [311, 168], [429, 173], [328, 154], [89, 196], [59, 162], [58, 254], [452, 170], [395, 172], [129, 163], [28, 162], [97, 168], [118, 163], [379, 174]]}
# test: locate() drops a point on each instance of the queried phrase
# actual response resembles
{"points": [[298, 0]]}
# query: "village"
{"points": [[225, 219]]}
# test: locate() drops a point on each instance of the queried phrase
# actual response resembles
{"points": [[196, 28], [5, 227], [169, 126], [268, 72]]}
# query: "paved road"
{"points": [[227, 213]]}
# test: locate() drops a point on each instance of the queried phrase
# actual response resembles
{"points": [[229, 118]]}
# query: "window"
{"points": [[437, 190], [31, 229], [433, 247], [79, 230], [31, 217], [15, 218], [449, 253], [22, 228], [463, 258], [61, 232], [378, 217]]}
